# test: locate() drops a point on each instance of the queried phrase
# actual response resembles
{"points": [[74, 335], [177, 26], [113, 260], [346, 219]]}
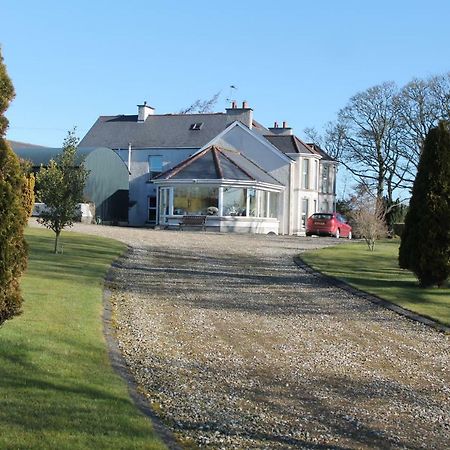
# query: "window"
{"points": [[194, 199], [196, 126], [262, 209], [305, 178], [152, 208], [234, 201], [273, 205], [154, 166], [325, 177], [305, 206], [252, 202]]}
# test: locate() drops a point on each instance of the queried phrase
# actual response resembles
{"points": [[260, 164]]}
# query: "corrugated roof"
{"points": [[216, 163], [163, 131]]}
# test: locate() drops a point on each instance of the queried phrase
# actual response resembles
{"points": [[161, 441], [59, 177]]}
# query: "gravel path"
{"points": [[236, 347]]}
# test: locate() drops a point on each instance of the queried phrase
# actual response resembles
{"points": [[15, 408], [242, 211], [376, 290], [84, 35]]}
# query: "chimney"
{"points": [[285, 131], [144, 111], [244, 114]]}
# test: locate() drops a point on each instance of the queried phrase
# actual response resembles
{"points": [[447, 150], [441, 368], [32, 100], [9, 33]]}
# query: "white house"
{"points": [[246, 177]]}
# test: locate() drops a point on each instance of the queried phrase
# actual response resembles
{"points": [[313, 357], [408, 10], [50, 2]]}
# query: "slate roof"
{"points": [[158, 131], [323, 153], [216, 163], [289, 144]]}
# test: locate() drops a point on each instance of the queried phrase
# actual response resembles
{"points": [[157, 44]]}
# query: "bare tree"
{"points": [[201, 106], [368, 216], [422, 104]]}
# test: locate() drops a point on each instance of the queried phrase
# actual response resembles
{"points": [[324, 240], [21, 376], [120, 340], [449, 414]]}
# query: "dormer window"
{"points": [[196, 126]]}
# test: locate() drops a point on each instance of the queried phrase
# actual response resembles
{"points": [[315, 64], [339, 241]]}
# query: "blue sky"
{"points": [[298, 61]]}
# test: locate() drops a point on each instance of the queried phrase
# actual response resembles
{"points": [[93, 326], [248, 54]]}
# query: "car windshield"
{"points": [[322, 216]]}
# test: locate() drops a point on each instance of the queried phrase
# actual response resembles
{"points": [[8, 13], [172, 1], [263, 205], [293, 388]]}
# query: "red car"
{"points": [[328, 224]]}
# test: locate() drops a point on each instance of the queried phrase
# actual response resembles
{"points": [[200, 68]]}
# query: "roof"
{"points": [[217, 163], [168, 130], [323, 153], [289, 144]]}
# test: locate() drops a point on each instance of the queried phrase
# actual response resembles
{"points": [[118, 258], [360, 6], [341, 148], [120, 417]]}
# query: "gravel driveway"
{"points": [[236, 347]]}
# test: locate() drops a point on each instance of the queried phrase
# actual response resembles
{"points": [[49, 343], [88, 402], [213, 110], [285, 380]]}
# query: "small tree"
{"points": [[13, 213], [60, 187], [368, 217], [425, 243]]}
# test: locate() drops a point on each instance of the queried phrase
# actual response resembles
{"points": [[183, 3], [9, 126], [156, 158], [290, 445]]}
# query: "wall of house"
{"points": [[140, 185], [272, 161]]}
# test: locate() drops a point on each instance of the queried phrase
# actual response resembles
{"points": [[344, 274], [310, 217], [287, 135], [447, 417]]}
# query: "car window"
{"points": [[322, 216]]}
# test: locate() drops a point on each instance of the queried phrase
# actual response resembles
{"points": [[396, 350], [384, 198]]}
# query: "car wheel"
{"points": [[349, 234], [338, 233]]}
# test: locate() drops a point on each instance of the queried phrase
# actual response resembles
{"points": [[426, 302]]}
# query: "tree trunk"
{"points": [[57, 233]]}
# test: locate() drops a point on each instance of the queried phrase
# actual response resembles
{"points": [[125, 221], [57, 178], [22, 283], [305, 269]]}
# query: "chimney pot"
{"points": [[244, 104], [275, 124], [233, 104], [285, 124]]}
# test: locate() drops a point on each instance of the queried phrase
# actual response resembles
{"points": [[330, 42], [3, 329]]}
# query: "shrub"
{"points": [[13, 213], [425, 244]]}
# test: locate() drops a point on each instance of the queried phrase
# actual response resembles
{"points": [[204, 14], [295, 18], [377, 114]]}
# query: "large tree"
{"points": [[425, 244], [60, 187], [422, 104], [13, 212]]}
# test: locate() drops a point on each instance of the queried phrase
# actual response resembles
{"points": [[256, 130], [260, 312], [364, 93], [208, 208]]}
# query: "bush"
{"points": [[425, 244], [13, 212]]}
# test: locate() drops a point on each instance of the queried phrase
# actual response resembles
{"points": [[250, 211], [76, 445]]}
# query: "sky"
{"points": [[295, 61]]}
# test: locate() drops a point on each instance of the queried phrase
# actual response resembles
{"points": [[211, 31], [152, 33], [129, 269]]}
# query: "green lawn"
{"points": [[378, 273], [57, 388]]}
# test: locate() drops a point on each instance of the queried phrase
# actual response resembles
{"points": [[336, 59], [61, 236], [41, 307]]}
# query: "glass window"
{"points": [[305, 173], [305, 206], [262, 208], [194, 199], [252, 202], [234, 201], [163, 202], [152, 208], [326, 178], [273, 204], [154, 166]]}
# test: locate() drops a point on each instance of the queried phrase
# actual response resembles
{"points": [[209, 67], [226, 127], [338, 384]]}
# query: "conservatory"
{"points": [[231, 191]]}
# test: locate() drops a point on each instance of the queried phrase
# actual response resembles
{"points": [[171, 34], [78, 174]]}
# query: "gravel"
{"points": [[236, 347]]}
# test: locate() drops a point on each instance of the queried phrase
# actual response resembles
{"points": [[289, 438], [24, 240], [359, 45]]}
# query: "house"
{"points": [[246, 177], [107, 182]]}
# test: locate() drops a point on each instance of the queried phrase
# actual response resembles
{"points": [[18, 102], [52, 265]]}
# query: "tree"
{"points": [[425, 242], [13, 212], [201, 106], [60, 187], [367, 216], [423, 103]]}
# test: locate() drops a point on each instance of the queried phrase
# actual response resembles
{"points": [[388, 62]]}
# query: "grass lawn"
{"points": [[57, 389], [378, 273]]}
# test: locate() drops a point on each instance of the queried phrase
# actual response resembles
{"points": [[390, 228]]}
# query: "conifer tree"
{"points": [[13, 212], [425, 244]]}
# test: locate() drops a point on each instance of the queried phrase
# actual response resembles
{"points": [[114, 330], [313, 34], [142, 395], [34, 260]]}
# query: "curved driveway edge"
{"points": [[372, 297], [120, 367]]}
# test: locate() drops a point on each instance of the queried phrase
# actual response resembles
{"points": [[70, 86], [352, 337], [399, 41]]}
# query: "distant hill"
{"points": [[16, 144]]}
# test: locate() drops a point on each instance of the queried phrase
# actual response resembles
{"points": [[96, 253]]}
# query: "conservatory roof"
{"points": [[217, 163]]}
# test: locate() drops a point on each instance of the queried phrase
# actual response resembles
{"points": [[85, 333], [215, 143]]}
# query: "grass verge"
{"points": [[57, 388], [378, 273]]}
